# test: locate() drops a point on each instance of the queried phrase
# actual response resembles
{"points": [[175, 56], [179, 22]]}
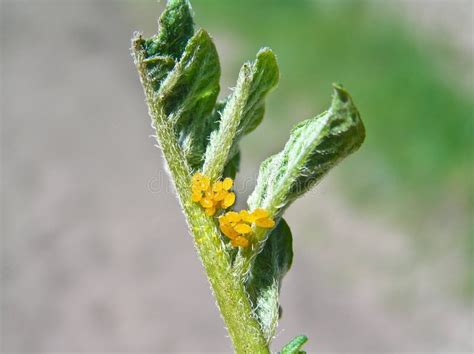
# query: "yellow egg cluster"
{"points": [[237, 226], [212, 197]]}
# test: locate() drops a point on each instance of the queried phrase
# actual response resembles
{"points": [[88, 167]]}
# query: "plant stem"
{"points": [[229, 292]]}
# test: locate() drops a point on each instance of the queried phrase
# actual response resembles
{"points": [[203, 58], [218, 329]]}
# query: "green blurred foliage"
{"points": [[419, 129]]}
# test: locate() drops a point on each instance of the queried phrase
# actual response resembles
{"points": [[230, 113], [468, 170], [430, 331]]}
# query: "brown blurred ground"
{"points": [[95, 253]]}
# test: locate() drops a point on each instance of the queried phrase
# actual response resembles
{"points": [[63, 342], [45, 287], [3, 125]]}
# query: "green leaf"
{"points": [[264, 281], [243, 112], [190, 90], [262, 77], [184, 71], [158, 68], [232, 167], [188, 94], [176, 27], [194, 138], [315, 146], [164, 49], [294, 346]]}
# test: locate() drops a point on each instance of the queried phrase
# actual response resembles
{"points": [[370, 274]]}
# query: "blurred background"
{"points": [[95, 252]]}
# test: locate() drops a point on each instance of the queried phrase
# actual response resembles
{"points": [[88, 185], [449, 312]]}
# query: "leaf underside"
{"points": [[315, 146], [244, 108]]}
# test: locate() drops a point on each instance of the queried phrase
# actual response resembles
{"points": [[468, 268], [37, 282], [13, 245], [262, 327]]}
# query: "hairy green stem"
{"points": [[232, 300]]}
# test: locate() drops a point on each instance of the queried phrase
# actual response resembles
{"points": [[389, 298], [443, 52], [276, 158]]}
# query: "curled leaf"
{"points": [[164, 49], [176, 27], [191, 88], [315, 146], [243, 112], [182, 67]]}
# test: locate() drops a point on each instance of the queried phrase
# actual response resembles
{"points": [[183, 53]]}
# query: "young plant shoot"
{"points": [[246, 253]]}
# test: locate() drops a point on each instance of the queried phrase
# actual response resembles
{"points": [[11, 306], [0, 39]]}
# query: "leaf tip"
{"points": [[180, 6], [340, 93], [202, 34], [342, 101], [294, 346], [266, 51], [267, 55], [138, 43], [266, 62], [176, 27]]}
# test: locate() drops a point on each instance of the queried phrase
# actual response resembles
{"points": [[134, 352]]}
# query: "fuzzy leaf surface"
{"points": [[264, 282], [194, 137], [315, 146], [176, 27], [190, 90], [164, 49], [183, 68], [243, 112]]}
